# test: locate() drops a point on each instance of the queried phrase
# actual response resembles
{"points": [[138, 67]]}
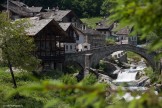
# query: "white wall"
{"points": [[81, 39], [83, 47]]}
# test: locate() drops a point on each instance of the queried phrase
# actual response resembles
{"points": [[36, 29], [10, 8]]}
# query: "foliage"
{"points": [[110, 41], [134, 56], [154, 76], [91, 22], [68, 79], [56, 94], [90, 79], [83, 8], [107, 5], [71, 69], [15, 45], [102, 65], [144, 15]]}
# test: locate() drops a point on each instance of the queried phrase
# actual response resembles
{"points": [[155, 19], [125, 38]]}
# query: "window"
{"points": [[66, 47], [77, 37], [71, 47], [85, 47]]}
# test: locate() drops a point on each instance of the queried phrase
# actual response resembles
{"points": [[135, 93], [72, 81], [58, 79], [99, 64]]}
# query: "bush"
{"points": [[151, 74], [90, 79], [110, 41], [68, 79]]}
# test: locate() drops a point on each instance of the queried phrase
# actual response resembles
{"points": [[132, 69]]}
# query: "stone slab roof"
{"points": [[105, 24], [91, 32], [18, 3], [36, 25], [57, 15], [35, 9], [22, 9], [79, 32], [124, 31], [19, 12], [65, 26], [39, 24]]}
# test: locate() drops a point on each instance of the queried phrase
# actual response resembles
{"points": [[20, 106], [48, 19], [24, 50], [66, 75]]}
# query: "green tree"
{"points": [[110, 41], [15, 46], [106, 6]]}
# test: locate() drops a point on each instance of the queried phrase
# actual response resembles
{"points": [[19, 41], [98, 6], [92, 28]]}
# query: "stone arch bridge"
{"points": [[92, 57]]}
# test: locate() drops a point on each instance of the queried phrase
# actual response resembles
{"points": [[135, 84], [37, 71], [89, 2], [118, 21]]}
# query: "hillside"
{"points": [[91, 22]]}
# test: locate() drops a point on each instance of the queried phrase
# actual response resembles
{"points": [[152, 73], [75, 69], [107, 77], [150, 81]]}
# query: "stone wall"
{"points": [[98, 53]]}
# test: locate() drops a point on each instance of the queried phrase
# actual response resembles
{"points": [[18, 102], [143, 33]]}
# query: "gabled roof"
{"points": [[124, 31], [37, 25], [65, 26], [35, 9], [105, 24], [91, 32], [79, 32], [58, 15], [22, 9], [18, 3]]}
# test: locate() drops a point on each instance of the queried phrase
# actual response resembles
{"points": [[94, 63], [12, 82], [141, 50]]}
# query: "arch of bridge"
{"points": [[99, 53]]}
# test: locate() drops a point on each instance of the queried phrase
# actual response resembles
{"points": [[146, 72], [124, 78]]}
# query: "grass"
{"points": [[31, 99], [134, 56], [91, 22]]}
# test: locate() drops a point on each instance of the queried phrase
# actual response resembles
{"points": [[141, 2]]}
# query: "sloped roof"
{"points": [[91, 32], [19, 12], [105, 24], [35, 9], [64, 26], [58, 15], [22, 9], [79, 32], [18, 3], [124, 31], [37, 25]]}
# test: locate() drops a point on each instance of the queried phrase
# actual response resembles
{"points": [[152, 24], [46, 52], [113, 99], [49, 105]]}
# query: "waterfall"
{"points": [[126, 76]]}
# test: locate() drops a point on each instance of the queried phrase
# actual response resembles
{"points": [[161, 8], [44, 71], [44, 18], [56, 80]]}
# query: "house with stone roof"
{"points": [[49, 38], [70, 47], [104, 27], [94, 38], [62, 16], [18, 9], [123, 35]]}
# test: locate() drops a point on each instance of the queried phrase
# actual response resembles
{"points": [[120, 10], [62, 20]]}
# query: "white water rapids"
{"points": [[126, 76]]}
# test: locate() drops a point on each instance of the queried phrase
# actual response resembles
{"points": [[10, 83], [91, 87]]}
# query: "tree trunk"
{"points": [[12, 74], [10, 66]]}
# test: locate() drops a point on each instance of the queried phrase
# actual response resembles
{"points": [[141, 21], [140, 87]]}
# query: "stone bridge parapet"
{"points": [[95, 55]]}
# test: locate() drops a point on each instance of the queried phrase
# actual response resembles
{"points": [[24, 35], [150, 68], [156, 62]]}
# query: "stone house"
{"points": [[82, 41], [94, 38], [123, 36], [48, 37], [70, 47], [104, 27], [63, 16], [78, 40]]}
